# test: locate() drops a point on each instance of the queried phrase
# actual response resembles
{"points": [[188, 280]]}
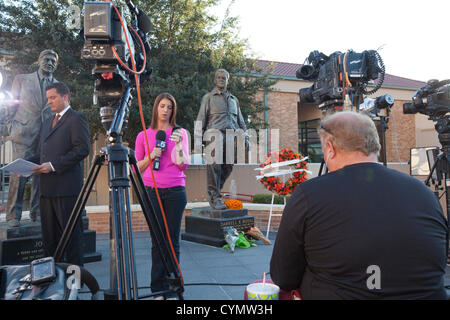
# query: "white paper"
{"points": [[282, 164], [281, 173], [21, 167]]}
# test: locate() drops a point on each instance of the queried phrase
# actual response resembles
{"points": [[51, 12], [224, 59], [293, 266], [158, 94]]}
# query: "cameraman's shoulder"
{"points": [[406, 178]]}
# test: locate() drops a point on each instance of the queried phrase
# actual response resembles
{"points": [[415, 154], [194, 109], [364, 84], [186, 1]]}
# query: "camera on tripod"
{"points": [[372, 107], [337, 73], [107, 41], [110, 43], [432, 100]]}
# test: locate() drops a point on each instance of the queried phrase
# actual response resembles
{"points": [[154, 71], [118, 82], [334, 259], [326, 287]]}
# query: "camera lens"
{"points": [[305, 95], [385, 101], [305, 72], [409, 108]]}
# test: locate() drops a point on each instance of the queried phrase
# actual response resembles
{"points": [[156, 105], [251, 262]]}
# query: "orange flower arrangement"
{"points": [[275, 184], [233, 204]]}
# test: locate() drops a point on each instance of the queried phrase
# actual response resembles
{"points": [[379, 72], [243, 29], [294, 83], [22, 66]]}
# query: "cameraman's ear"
{"points": [[331, 150]]}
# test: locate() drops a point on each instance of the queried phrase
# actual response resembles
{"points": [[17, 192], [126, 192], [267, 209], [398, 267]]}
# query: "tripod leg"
{"points": [[322, 167], [129, 226], [78, 208], [383, 127], [125, 265]]}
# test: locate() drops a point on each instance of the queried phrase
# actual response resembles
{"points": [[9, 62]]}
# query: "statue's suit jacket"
{"points": [[27, 117]]}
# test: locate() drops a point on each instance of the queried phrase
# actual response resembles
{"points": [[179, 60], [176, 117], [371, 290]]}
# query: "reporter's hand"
{"points": [[156, 152], [176, 136]]}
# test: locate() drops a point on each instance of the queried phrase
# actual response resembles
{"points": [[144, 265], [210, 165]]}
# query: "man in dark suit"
{"points": [[63, 144]]}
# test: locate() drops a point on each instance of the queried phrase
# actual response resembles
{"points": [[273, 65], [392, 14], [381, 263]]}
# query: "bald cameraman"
{"points": [[362, 231]]}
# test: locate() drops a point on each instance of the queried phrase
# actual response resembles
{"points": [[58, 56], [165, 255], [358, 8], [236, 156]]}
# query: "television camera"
{"points": [[106, 43], [341, 81], [433, 100], [338, 76]]}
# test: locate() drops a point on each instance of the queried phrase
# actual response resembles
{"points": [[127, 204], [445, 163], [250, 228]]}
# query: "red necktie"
{"points": [[55, 120]]}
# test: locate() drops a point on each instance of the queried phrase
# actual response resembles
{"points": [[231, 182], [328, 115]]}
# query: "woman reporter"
{"points": [[169, 179]]}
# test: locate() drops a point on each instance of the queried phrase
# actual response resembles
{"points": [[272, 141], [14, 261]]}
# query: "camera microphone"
{"points": [[160, 143]]}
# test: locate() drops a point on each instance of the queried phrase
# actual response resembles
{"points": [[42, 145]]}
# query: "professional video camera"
{"points": [[106, 43], [432, 100], [372, 107], [339, 75]]}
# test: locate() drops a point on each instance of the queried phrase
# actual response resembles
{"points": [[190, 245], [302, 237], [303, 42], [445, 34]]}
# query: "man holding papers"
{"points": [[63, 144]]}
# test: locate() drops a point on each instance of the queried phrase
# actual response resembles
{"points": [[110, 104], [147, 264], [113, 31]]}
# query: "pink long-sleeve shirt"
{"points": [[169, 174]]}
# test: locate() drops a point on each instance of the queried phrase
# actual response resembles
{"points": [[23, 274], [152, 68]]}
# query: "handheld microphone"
{"points": [[160, 143]]}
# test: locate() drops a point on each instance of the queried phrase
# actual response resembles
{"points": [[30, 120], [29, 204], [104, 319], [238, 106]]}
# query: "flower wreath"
{"points": [[274, 184]]}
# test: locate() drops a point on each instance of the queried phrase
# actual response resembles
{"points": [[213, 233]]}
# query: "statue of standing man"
{"points": [[26, 118], [220, 110]]}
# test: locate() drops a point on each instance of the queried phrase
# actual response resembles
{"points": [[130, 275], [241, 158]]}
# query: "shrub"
{"points": [[267, 198]]}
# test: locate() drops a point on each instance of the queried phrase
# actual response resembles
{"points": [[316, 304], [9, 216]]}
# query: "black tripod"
{"points": [[123, 279], [441, 169]]}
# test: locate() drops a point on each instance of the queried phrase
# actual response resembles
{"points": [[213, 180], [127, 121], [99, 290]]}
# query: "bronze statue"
{"points": [[25, 119], [220, 110]]}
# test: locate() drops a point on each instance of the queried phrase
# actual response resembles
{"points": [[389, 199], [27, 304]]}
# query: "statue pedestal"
{"points": [[205, 225], [23, 244]]}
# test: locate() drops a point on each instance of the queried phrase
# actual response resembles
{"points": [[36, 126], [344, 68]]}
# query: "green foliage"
{"points": [[267, 199], [187, 45]]}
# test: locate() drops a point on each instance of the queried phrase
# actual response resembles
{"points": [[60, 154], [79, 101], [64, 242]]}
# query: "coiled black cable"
{"points": [[382, 72]]}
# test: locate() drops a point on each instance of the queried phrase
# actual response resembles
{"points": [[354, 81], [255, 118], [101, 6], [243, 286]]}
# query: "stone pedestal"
{"points": [[205, 225], [23, 244]]}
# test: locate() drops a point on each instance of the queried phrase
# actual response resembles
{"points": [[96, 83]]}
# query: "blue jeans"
{"points": [[173, 201]]}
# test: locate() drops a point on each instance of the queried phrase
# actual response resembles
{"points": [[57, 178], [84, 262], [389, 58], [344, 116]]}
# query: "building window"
{"points": [[309, 141]]}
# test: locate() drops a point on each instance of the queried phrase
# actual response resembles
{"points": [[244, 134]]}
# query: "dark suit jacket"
{"points": [[65, 146]]}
